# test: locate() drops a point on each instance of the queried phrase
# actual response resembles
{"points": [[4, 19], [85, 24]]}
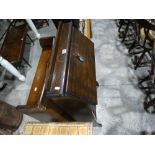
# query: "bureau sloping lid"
{"points": [[81, 81], [73, 68]]}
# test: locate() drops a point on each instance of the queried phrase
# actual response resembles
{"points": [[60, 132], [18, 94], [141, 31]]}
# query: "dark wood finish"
{"points": [[39, 78], [146, 24], [75, 22], [59, 62], [72, 84], [36, 102], [13, 45], [40, 23], [40, 75], [46, 43], [10, 118], [65, 81], [70, 74], [82, 83]]}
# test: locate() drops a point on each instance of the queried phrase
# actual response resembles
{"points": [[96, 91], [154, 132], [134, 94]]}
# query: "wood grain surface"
{"points": [[14, 43]]}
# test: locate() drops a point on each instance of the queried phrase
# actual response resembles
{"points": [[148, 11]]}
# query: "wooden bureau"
{"points": [[70, 84]]}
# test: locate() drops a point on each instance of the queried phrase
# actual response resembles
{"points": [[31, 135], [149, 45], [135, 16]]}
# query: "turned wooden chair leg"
{"points": [[140, 59], [150, 106], [132, 46], [125, 34]]}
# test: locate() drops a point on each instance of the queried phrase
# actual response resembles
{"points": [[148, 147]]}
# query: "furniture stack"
{"points": [[139, 37]]}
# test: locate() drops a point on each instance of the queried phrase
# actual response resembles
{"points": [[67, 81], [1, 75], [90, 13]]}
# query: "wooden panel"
{"points": [[82, 77], [12, 48], [46, 42], [41, 72], [60, 60], [70, 76], [38, 81], [37, 102]]}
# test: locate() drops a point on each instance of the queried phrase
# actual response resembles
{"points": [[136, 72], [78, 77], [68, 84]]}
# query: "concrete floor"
{"points": [[120, 109]]}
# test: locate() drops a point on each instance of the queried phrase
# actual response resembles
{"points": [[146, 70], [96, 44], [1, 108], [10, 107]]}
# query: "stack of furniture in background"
{"points": [[139, 37], [13, 46], [13, 39], [14, 43]]}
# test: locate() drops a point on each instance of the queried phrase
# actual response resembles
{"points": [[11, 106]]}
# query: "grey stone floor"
{"points": [[119, 109]]}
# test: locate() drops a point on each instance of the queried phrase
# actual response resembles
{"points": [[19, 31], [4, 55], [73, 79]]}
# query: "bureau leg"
{"points": [[58, 113], [59, 117], [93, 111], [97, 84]]}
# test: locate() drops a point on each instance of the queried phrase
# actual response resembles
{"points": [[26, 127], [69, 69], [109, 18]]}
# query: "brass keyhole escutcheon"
{"points": [[79, 57]]}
